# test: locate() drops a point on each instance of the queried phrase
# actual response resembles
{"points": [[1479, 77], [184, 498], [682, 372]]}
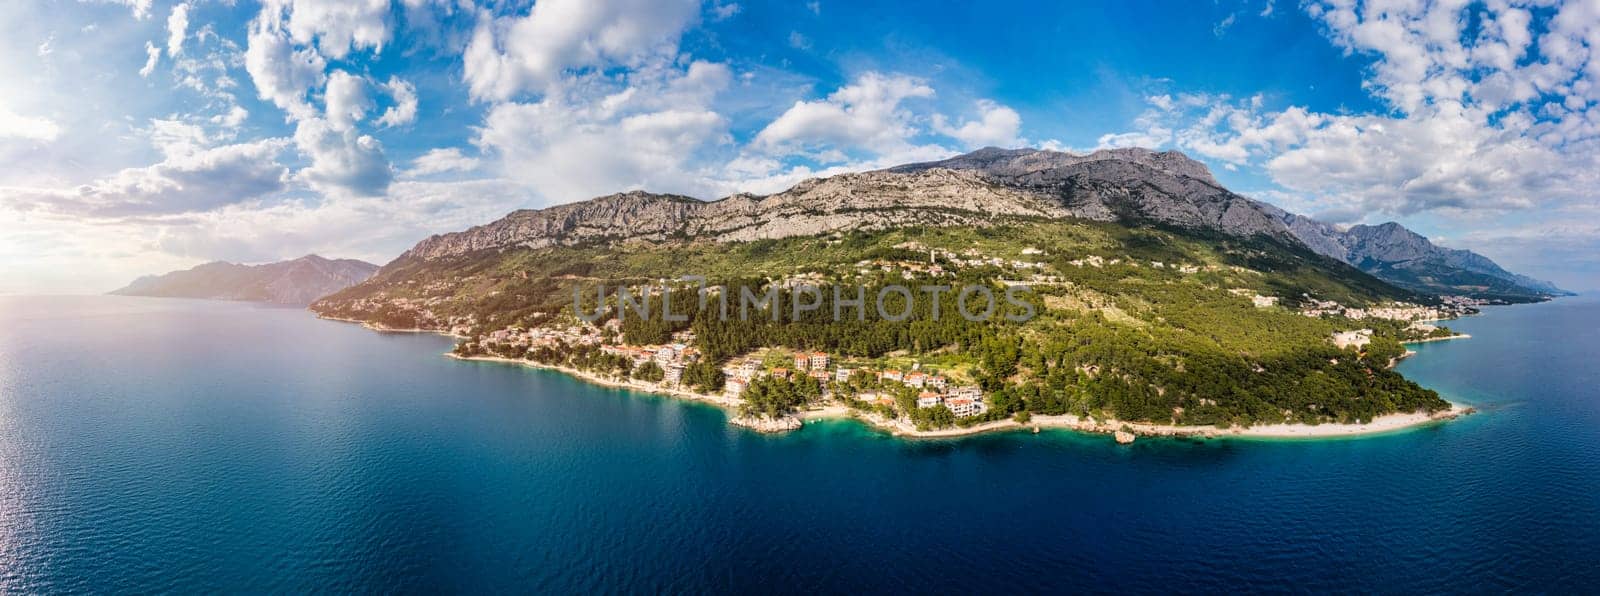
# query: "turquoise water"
{"points": [[170, 445]]}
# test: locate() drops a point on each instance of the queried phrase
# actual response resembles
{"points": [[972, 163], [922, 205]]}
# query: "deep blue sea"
{"points": [[151, 445]]}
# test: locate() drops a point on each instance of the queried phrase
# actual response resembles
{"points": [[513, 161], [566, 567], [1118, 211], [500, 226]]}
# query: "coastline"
{"points": [[1433, 339], [900, 428], [384, 329], [1384, 424]]}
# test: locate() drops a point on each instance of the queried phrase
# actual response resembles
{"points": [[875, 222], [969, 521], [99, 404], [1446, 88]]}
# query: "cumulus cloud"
{"points": [[653, 132], [282, 74], [343, 161], [186, 182], [404, 110], [512, 55], [866, 114], [346, 99], [997, 125], [335, 26]]}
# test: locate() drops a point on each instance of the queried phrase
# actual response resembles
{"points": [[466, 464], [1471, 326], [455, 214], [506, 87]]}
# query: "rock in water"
{"points": [[1123, 437], [768, 425]]}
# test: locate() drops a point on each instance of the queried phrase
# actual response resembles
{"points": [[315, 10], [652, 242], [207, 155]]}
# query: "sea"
{"points": [[165, 445]]}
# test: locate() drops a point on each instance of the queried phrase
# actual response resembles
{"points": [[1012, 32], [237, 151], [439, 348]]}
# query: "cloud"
{"points": [[343, 161], [1492, 118], [997, 125], [866, 114], [234, 117], [17, 126], [798, 41], [346, 99], [652, 133], [723, 12], [335, 26], [152, 56], [1221, 28], [177, 28], [439, 161], [185, 182], [1565, 251], [512, 55], [567, 152], [282, 74], [376, 228], [404, 110], [176, 138], [140, 8]]}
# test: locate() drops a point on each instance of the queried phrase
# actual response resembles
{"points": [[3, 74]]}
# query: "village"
{"points": [[935, 390], [834, 379]]}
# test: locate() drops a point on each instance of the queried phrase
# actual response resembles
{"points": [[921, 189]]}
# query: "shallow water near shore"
{"points": [[173, 445]]}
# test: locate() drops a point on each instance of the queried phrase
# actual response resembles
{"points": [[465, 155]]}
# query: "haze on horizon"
{"points": [[142, 136]]}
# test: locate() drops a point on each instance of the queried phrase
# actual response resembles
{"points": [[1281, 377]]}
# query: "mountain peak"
{"points": [[1024, 161]]}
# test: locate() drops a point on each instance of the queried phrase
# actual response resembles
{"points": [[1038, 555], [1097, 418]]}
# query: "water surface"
{"points": [[173, 445]]}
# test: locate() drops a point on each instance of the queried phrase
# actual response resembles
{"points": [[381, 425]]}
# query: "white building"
{"points": [[963, 407], [972, 392], [917, 379], [928, 399]]}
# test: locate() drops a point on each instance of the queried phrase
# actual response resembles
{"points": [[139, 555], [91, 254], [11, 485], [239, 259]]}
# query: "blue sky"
{"points": [[143, 135]]}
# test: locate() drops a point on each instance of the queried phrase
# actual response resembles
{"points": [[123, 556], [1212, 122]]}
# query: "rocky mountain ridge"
{"points": [[1132, 186], [1400, 256], [974, 189], [297, 282]]}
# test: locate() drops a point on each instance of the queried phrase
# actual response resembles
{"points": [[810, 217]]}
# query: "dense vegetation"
{"points": [[1128, 339]]}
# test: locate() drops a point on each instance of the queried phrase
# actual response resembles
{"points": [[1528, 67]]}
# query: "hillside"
{"points": [[297, 282], [1157, 295]]}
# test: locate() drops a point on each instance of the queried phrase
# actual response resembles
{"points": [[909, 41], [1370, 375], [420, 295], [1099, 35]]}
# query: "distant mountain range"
{"points": [[1407, 259], [298, 282]]}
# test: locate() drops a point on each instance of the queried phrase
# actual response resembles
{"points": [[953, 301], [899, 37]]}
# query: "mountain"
{"points": [[298, 282], [1133, 185], [1407, 259], [1156, 294]]}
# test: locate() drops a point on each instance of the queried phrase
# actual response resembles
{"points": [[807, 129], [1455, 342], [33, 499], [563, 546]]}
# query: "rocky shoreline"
{"points": [[1121, 431]]}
